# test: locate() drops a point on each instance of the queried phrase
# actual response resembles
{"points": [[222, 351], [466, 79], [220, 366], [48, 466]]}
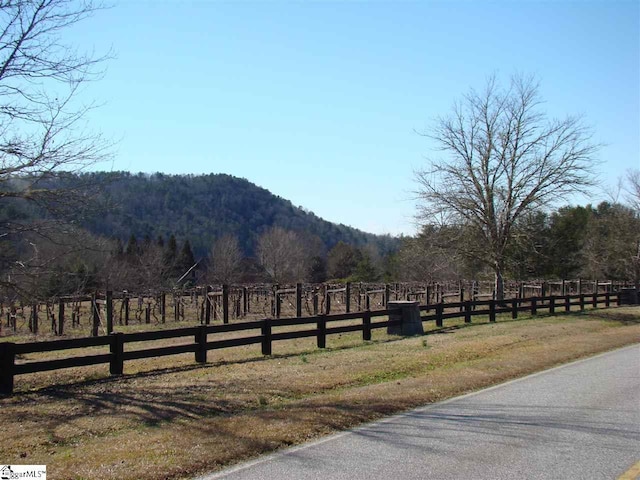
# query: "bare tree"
{"points": [[281, 254], [505, 158], [226, 260], [42, 121]]}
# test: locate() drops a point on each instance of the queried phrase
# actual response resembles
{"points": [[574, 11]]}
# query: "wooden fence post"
{"points": [[514, 308], [201, 344], [278, 299], [116, 347], [461, 297], [245, 301], [567, 303], [274, 299], [492, 310], [109, 309], [266, 336], [366, 326], [534, 310], [163, 306], [552, 304], [225, 303], [316, 292], [439, 312], [34, 319], [207, 305], [347, 297], [581, 301], [322, 332], [467, 311], [7, 361], [61, 317], [125, 299], [327, 303], [147, 313], [298, 300], [387, 295], [607, 299], [594, 299], [54, 325], [95, 316]]}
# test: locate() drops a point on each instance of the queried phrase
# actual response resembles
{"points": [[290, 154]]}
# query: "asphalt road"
{"points": [[577, 421]]}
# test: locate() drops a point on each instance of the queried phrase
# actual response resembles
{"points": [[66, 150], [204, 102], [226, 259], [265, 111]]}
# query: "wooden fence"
{"points": [[208, 304], [269, 333]]}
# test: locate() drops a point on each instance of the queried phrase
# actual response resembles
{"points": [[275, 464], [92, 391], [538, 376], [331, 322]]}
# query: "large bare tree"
{"points": [[226, 260], [281, 254], [42, 118], [502, 158]]}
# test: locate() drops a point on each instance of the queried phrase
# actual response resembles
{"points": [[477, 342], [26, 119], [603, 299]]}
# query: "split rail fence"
{"points": [[268, 328]]}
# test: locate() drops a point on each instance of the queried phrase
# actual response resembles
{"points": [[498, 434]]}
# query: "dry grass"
{"points": [[185, 419]]}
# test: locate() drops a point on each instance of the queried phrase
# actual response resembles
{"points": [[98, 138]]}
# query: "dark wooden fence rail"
{"points": [[320, 327]]}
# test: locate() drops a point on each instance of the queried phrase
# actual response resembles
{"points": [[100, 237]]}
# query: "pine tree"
{"points": [[185, 261], [169, 257], [132, 247]]}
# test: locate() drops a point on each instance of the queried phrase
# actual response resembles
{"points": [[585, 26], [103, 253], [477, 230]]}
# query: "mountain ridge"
{"points": [[204, 207]]}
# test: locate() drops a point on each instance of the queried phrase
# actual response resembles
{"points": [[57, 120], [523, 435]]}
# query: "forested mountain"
{"points": [[202, 208]]}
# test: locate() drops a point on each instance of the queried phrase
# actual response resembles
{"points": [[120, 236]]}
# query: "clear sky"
{"points": [[320, 102]]}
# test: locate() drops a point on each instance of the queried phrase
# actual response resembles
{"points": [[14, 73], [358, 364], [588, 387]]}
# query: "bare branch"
{"points": [[43, 133]]}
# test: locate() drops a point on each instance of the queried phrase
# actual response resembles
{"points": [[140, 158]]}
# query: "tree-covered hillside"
{"points": [[202, 208]]}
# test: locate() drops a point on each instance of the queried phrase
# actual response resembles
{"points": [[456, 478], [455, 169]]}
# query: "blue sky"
{"points": [[321, 102]]}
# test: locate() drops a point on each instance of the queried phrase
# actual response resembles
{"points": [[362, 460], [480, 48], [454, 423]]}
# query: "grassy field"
{"points": [[169, 418]]}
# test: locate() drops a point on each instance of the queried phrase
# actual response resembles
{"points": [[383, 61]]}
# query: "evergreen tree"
{"points": [[185, 259], [318, 270], [342, 260], [132, 249], [118, 249], [365, 271], [170, 250], [146, 242]]}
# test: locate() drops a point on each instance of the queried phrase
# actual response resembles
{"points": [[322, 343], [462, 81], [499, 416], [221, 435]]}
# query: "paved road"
{"points": [[578, 421]]}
